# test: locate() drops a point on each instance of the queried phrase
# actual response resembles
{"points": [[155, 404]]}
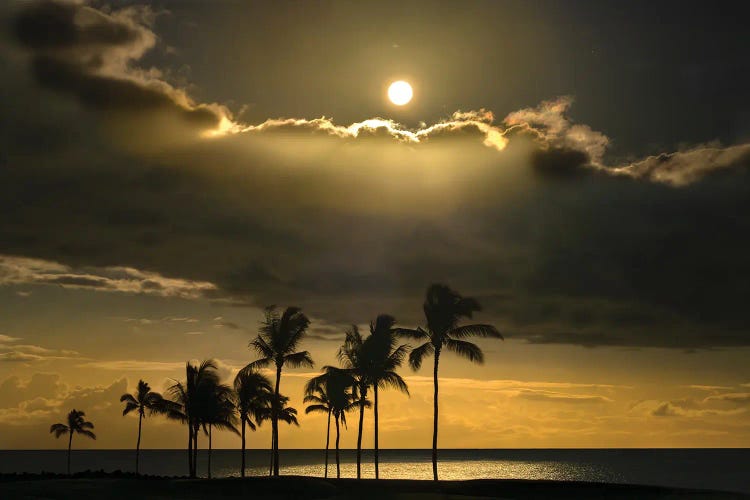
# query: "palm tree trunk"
{"points": [[270, 468], [435, 418], [138, 443], [242, 467], [377, 472], [190, 449], [359, 434], [328, 437], [70, 444], [338, 460], [195, 450], [275, 424], [209, 450]]}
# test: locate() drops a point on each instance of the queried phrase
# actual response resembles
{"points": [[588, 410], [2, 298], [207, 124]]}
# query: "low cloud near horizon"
{"points": [[112, 178]]}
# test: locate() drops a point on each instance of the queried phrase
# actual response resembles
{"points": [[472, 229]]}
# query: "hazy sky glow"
{"points": [[168, 170]]}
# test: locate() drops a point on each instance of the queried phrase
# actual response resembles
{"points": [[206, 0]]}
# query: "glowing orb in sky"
{"points": [[400, 93]]}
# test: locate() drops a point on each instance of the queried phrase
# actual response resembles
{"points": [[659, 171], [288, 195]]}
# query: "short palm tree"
{"points": [[254, 392], [372, 361], [332, 393], [218, 410], [443, 309], [76, 424], [277, 343], [353, 356], [143, 400], [282, 413], [190, 398], [384, 356], [318, 396]]}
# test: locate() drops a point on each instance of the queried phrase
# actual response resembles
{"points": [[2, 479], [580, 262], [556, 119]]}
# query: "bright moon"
{"points": [[400, 93]]}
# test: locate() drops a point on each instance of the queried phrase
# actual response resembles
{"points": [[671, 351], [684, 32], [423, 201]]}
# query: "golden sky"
{"points": [[166, 171]]}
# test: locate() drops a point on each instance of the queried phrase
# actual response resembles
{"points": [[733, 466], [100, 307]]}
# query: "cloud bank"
{"points": [[115, 179]]}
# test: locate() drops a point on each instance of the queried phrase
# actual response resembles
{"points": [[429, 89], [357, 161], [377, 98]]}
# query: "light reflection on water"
{"points": [[450, 469]]}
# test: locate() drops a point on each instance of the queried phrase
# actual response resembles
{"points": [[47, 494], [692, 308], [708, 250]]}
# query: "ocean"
{"points": [[722, 469]]}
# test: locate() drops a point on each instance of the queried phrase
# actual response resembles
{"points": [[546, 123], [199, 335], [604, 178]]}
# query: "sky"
{"points": [[168, 169]]}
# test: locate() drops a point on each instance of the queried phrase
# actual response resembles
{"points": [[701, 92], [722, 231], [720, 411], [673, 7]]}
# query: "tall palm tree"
{"points": [[76, 424], [332, 392], [384, 356], [191, 396], [143, 400], [277, 343], [443, 309], [254, 393]]}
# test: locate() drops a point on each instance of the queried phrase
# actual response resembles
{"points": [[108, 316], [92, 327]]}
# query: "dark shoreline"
{"points": [[126, 485]]}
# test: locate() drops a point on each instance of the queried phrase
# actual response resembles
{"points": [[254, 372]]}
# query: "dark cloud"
{"points": [[349, 221], [52, 25], [88, 53]]}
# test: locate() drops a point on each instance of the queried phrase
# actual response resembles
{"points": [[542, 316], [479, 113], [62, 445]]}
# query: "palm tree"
{"points": [[443, 310], [76, 424], [383, 357], [321, 404], [254, 394], [279, 410], [192, 397], [332, 392], [218, 410], [354, 358], [279, 337], [373, 361], [143, 400]]}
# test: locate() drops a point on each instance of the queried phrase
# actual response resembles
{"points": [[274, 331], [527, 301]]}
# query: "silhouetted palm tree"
{"points": [[143, 400], [283, 413], [218, 410], [383, 356], [279, 337], [321, 404], [254, 393], [333, 393], [76, 424], [192, 396], [373, 361], [354, 358], [443, 309]]}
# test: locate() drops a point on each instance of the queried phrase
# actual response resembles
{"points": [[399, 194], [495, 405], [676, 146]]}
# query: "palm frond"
{"points": [[59, 429], [264, 350], [394, 380], [412, 333], [311, 398], [87, 433], [317, 408], [416, 356], [129, 407], [465, 349], [482, 331], [129, 398], [298, 359]]}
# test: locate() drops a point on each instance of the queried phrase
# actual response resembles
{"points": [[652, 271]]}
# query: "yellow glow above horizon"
{"points": [[400, 93]]}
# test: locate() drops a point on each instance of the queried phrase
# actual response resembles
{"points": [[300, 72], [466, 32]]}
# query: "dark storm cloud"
{"points": [[88, 53], [351, 221]]}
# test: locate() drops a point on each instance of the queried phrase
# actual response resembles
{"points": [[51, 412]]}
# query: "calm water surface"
{"points": [[725, 469]]}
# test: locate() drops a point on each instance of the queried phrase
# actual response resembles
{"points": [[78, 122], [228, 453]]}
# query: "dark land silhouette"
{"points": [[115, 486]]}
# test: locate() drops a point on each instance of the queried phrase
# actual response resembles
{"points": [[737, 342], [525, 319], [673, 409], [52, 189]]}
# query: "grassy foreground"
{"points": [[289, 487]]}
